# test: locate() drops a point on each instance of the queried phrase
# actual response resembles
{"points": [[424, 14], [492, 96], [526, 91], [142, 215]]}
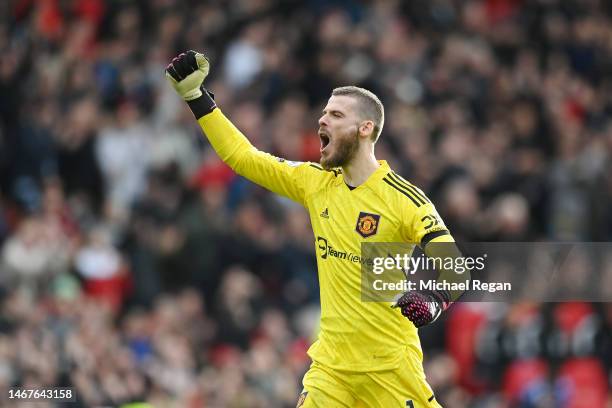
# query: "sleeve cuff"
{"points": [[203, 105], [432, 235]]}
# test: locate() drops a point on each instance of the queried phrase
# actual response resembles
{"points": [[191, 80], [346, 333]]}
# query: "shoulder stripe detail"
{"points": [[316, 167], [386, 180], [407, 190], [401, 181]]}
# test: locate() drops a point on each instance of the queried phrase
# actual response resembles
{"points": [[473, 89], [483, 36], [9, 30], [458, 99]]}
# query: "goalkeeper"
{"points": [[367, 353]]}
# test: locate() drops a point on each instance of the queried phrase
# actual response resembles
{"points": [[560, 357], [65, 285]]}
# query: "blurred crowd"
{"points": [[134, 266]]}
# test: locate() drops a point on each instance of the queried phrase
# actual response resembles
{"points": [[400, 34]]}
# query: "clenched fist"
{"points": [[186, 73]]}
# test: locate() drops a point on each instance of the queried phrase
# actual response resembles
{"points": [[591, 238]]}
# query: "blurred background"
{"points": [[134, 266]]}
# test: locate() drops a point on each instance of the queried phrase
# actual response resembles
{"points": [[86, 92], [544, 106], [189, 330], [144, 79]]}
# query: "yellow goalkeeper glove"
{"points": [[186, 73]]}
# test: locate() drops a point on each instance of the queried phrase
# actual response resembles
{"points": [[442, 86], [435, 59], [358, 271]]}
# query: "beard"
{"points": [[346, 148]]}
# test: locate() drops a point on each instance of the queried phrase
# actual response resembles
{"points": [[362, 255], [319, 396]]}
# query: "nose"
{"points": [[322, 121]]}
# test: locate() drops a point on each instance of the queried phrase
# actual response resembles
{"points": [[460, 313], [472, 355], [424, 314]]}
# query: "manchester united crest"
{"points": [[367, 224]]}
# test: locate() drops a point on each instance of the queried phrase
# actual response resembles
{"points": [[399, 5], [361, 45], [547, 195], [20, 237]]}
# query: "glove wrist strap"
{"points": [[442, 298], [203, 105]]}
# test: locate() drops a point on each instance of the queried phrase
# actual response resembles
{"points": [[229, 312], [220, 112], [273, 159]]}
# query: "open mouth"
{"points": [[324, 139]]}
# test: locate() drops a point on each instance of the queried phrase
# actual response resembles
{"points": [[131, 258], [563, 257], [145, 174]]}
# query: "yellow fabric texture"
{"points": [[403, 387]]}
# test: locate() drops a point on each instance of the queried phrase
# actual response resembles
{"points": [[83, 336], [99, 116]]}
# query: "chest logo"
{"points": [[367, 224]]}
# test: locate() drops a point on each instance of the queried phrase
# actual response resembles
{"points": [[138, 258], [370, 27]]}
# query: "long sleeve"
{"points": [[275, 174]]}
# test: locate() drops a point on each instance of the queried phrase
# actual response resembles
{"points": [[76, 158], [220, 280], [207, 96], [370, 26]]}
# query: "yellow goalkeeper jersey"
{"points": [[354, 335]]}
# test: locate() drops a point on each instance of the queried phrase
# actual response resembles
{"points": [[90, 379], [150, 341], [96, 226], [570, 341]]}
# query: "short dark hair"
{"points": [[370, 107]]}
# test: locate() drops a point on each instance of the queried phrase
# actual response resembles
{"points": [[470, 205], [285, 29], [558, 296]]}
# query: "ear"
{"points": [[366, 128]]}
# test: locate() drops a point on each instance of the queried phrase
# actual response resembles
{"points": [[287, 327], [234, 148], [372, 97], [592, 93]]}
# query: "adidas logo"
{"points": [[325, 213]]}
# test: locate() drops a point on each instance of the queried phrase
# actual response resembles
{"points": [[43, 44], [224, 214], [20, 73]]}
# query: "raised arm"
{"points": [[186, 73]]}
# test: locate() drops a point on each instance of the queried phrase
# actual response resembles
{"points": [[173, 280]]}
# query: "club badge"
{"points": [[367, 224]]}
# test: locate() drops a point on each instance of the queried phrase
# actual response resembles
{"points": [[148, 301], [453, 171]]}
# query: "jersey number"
{"points": [[410, 404]]}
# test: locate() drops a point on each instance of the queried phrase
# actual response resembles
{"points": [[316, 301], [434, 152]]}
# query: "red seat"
{"points": [[585, 383], [521, 374]]}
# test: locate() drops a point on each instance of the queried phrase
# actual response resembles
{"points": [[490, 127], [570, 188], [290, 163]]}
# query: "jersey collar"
{"points": [[378, 174]]}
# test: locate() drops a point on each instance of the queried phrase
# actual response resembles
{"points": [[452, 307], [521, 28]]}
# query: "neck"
{"points": [[360, 168]]}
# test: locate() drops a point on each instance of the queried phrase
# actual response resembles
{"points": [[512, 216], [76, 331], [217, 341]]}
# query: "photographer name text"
{"points": [[473, 285]]}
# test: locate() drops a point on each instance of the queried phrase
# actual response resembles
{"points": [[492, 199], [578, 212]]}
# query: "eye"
{"points": [[337, 114]]}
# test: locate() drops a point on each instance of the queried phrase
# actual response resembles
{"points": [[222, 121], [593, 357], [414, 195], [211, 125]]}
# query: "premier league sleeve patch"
{"points": [[289, 162], [367, 224], [301, 399]]}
